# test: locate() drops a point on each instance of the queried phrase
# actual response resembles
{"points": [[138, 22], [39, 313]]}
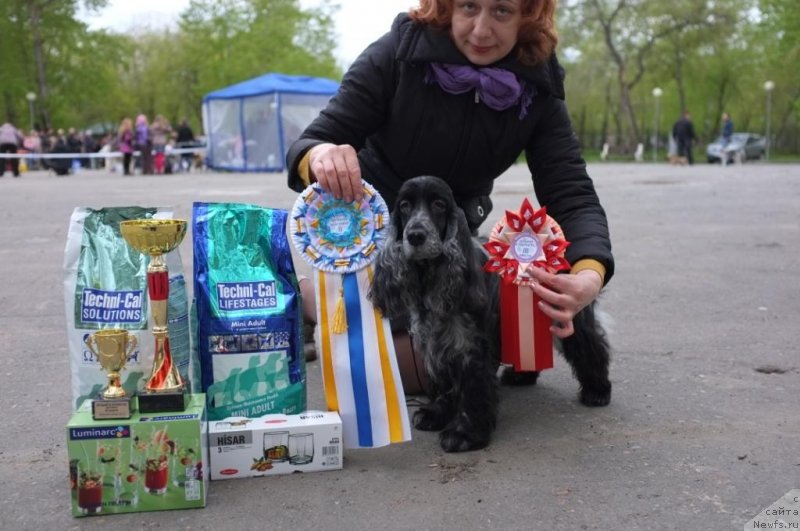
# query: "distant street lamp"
{"points": [[657, 92], [31, 97], [769, 86]]}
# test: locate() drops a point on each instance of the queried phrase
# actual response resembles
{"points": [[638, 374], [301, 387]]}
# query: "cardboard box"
{"points": [[275, 444], [150, 462]]}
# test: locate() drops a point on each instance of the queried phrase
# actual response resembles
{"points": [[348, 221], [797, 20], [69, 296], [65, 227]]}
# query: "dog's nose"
{"points": [[416, 237]]}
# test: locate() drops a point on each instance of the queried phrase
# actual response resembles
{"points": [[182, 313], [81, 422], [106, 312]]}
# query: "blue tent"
{"points": [[249, 126]]}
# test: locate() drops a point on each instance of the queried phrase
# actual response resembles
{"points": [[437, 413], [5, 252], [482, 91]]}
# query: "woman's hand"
{"points": [[563, 296], [336, 169]]}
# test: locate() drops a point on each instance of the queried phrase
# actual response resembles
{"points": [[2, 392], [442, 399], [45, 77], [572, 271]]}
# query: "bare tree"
{"points": [[630, 30]]}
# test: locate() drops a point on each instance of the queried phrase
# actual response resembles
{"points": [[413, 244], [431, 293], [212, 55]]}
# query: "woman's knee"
{"points": [[410, 364], [308, 300]]}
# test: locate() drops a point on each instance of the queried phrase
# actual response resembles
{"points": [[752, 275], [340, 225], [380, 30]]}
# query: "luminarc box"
{"points": [[150, 462]]}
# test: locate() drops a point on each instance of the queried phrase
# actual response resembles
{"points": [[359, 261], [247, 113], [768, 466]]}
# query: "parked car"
{"points": [[744, 145]]}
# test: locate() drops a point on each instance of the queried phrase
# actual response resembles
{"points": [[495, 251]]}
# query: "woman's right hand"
{"points": [[336, 169]]}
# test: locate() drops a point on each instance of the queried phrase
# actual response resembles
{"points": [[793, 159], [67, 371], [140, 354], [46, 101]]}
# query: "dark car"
{"points": [[742, 146]]}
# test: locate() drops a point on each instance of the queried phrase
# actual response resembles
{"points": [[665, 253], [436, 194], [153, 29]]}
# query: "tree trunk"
{"points": [[35, 14], [606, 111], [627, 110]]}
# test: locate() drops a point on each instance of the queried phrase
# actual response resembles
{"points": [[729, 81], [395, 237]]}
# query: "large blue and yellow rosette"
{"points": [[359, 367]]}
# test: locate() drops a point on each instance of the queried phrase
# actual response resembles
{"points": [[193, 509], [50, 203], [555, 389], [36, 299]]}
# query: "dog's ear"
{"points": [[396, 225], [465, 262], [457, 239], [389, 283], [457, 244]]}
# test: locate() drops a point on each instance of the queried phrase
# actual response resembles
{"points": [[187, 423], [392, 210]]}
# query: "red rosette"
{"points": [[519, 241], [524, 239]]}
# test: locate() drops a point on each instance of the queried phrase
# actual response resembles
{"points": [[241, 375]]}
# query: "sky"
{"points": [[358, 22]]}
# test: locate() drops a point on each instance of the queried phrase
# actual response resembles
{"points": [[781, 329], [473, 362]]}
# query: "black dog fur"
{"points": [[431, 270]]}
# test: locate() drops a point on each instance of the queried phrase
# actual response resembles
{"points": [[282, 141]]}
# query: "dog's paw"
{"points": [[596, 397], [511, 377], [430, 418], [454, 439]]}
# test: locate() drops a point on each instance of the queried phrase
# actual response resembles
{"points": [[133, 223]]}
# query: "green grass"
{"points": [[784, 157], [593, 155]]}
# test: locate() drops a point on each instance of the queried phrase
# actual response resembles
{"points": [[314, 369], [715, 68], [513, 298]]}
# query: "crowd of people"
{"points": [[49, 141], [151, 141]]}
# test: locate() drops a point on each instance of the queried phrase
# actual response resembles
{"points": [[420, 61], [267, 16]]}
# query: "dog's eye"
{"points": [[404, 206], [439, 205]]}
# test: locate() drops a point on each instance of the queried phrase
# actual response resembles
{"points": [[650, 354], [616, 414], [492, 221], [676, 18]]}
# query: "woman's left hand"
{"points": [[563, 296]]}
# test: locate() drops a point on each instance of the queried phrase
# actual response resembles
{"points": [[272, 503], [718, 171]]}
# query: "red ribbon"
{"points": [[518, 306]]}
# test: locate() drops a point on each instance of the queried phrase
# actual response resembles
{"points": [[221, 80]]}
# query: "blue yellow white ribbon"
{"points": [[359, 365], [359, 368]]}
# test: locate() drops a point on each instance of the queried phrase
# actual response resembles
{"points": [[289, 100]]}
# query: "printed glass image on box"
{"points": [[147, 464], [276, 446], [109, 475], [301, 448], [123, 471]]}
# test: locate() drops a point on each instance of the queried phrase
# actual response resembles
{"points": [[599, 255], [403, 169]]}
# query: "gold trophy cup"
{"points": [[112, 347], [165, 389]]}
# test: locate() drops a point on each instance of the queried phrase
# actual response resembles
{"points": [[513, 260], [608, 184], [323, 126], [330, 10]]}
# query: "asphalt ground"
{"points": [[703, 430]]}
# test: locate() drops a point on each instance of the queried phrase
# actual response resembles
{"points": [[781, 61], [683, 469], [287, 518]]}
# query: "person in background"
{"points": [[459, 89], [727, 128], [162, 132], [33, 145], [125, 141], [184, 139], [683, 132], [107, 144], [10, 141], [45, 137], [74, 145], [727, 136], [143, 142], [74, 141], [60, 146], [90, 146]]}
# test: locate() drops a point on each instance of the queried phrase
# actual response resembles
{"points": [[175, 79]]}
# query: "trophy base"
{"points": [[161, 401], [111, 408]]}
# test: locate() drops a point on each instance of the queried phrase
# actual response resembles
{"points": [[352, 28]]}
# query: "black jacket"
{"points": [[683, 130], [403, 126]]}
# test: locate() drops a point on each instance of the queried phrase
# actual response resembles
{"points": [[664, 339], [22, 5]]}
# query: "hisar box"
{"points": [[150, 462], [275, 444]]}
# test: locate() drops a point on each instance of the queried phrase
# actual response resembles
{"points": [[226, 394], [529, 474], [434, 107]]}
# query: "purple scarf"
{"points": [[498, 88]]}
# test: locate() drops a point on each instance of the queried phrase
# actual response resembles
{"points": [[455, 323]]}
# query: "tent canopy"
{"points": [[271, 83], [249, 126]]}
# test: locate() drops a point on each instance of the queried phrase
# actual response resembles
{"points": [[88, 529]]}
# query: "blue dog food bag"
{"points": [[248, 312]]}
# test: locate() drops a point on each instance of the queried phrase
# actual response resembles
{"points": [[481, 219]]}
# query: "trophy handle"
{"points": [[90, 344], [130, 345]]}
